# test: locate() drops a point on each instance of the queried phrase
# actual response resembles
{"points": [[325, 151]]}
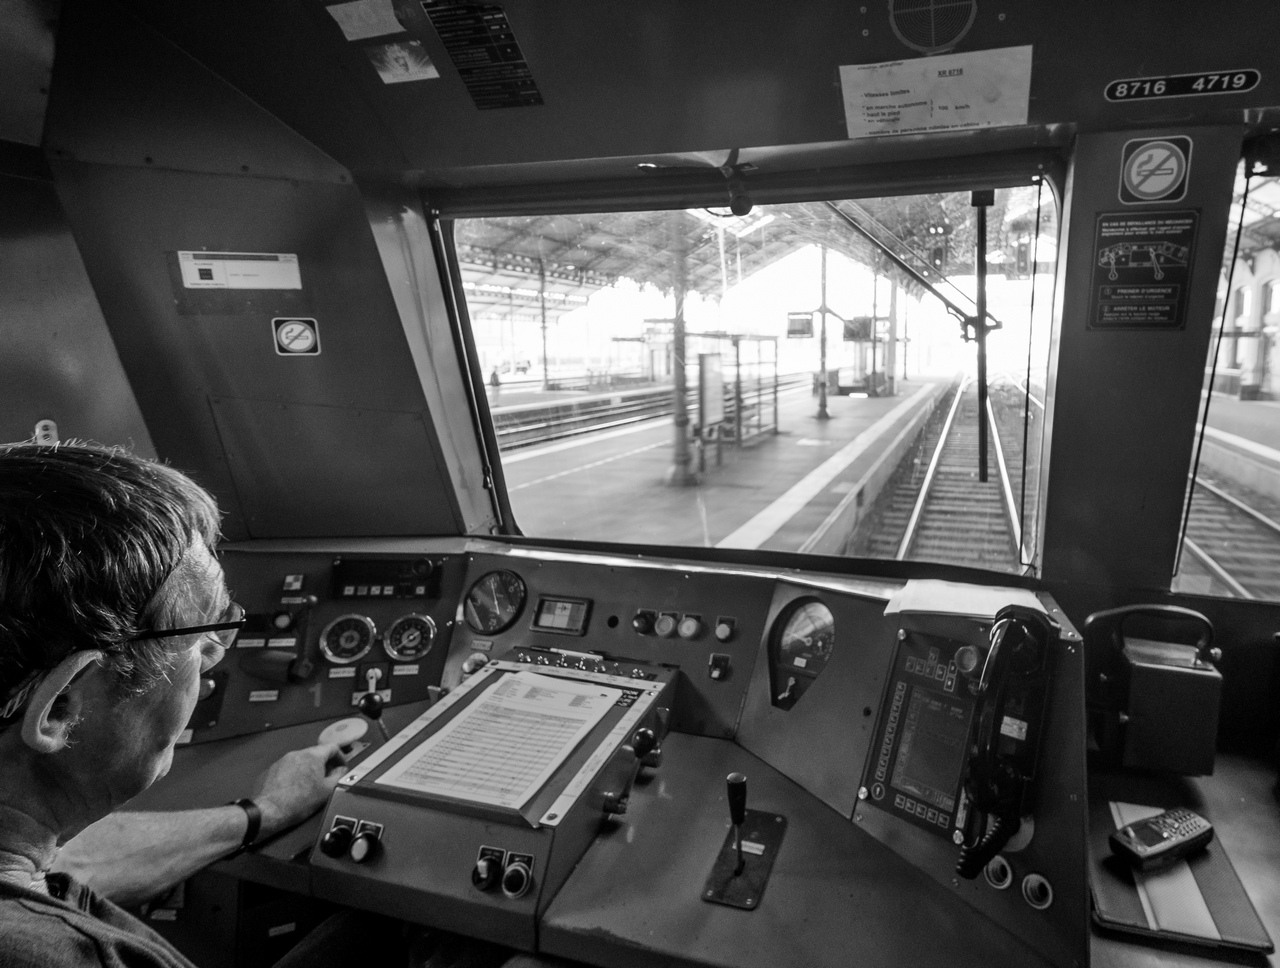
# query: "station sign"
{"points": [[799, 325], [859, 328]]}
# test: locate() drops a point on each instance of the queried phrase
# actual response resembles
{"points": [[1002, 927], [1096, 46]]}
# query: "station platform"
{"points": [[1242, 444], [799, 489]]}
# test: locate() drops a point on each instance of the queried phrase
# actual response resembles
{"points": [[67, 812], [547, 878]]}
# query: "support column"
{"points": [[822, 346], [542, 305], [981, 199], [891, 348], [680, 474]]}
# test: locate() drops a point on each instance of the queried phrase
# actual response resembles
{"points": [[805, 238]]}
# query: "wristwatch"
{"points": [[254, 815]]}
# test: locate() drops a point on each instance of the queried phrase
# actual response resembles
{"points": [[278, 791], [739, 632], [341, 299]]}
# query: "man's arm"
{"points": [[133, 857]]}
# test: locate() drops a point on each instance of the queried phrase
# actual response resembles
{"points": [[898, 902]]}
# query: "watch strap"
{"points": [[254, 816]]}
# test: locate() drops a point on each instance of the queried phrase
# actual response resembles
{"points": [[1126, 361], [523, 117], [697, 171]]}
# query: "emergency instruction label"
{"points": [[1141, 269]]}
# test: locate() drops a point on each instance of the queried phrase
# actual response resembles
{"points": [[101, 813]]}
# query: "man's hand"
{"points": [[297, 785]]}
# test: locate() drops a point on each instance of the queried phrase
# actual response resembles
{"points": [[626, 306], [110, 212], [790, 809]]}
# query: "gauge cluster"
{"points": [[322, 630]]}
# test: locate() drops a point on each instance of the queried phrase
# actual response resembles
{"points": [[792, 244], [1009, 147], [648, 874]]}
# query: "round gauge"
{"points": [[807, 638], [494, 602], [347, 638], [409, 637]]}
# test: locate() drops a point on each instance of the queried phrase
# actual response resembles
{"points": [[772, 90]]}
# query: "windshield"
{"points": [[803, 377], [1231, 537]]}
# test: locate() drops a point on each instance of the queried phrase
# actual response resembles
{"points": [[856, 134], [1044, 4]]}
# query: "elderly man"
{"points": [[111, 605]]}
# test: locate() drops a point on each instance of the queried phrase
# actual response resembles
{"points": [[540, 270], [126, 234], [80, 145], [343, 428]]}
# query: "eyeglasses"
{"points": [[227, 628]]}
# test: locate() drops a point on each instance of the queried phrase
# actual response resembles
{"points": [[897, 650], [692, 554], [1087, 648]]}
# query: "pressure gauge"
{"points": [[409, 637], [494, 602], [348, 638]]}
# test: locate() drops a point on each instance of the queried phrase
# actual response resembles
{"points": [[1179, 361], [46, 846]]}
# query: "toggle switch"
{"points": [[718, 666], [487, 873]]}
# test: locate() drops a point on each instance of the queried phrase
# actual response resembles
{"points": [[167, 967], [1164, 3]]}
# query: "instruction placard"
{"points": [[951, 92], [1141, 269], [239, 270]]}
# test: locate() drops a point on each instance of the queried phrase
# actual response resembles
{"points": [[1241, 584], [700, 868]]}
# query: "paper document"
{"points": [[505, 745], [950, 92], [954, 598]]}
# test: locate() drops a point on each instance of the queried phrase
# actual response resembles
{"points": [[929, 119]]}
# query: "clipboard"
{"points": [[1198, 901]]}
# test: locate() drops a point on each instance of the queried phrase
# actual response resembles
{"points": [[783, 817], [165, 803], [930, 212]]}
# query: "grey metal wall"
{"points": [[57, 360], [153, 155], [1123, 403]]}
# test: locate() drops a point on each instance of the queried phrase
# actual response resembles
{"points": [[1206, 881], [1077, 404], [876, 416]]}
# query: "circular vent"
{"points": [[932, 26]]}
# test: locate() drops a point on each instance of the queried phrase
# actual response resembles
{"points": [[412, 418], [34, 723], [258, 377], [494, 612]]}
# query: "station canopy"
{"points": [[1261, 223], [514, 266]]}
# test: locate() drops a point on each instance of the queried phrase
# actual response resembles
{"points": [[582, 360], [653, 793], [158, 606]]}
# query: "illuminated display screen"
{"points": [[931, 751], [561, 615]]}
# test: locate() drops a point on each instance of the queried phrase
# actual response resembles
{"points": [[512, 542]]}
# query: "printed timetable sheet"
{"points": [[505, 745]]}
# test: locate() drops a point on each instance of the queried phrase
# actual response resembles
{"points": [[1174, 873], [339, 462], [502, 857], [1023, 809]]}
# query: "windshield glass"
{"points": [[786, 379], [1231, 539]]}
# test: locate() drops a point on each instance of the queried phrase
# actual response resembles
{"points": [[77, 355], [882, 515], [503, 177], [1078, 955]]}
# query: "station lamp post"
{"points": [[680, 474], [822, 346]]}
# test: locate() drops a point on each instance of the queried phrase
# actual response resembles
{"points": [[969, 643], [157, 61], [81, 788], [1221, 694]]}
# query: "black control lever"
{"points": [[371, 705], [737, 790]]}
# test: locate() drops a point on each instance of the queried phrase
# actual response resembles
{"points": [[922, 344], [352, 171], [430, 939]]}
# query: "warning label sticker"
{"points": [[296, 336], [1155, 170], [1141, 267], [482, 46]]}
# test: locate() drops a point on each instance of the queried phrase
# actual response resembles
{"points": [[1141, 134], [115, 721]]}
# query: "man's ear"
{"points": [[54, 706]]}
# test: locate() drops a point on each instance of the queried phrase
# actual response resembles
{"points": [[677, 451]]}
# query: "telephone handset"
{"points": [[1005, 737]]}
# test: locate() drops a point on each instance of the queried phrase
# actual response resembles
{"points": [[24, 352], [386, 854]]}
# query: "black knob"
{"points": [[737, 784], [644, 742], [643, 622], [371, 705], [486, 874], [515, 880], [364, 846], [336, 841]]}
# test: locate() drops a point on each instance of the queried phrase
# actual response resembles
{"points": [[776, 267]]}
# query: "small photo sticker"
{"points": [[296, 336], [402, 61]]}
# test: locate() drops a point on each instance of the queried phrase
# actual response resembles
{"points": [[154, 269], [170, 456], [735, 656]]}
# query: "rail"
{"points": [[918, 511], [1242, 558], [953, 527], [535, 423]]}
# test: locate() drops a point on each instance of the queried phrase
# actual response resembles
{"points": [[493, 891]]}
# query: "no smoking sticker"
{"points": [[296, 336], [1155, 170]]}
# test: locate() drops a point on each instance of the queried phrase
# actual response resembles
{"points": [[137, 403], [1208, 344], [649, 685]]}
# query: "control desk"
{"points": [[621, 760]]}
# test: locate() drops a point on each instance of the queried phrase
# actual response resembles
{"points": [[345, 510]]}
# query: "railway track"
{"points": [[936, 509], [1235, 538], [538, 423]]}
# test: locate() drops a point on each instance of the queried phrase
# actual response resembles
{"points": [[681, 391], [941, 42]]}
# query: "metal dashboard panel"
{"points": [[837, 713], [703, 705], [836, 897]]}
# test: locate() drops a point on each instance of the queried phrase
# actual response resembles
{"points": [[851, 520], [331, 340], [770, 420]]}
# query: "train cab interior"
{"points": [[750, 484]]}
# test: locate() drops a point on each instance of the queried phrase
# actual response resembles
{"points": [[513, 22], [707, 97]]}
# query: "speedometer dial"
{"points": [[409, 637], [803, 641], [348, 638], [494, 602], [808, 638]]}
